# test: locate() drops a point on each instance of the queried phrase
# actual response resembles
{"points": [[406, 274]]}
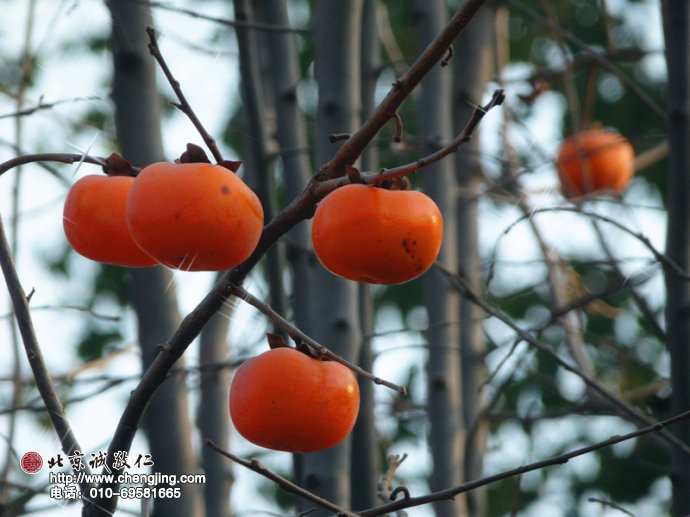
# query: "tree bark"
{"points": [[332, 312], [257, 164], [212, 417], [676, 14], [446, 436], [472, 63], [137, 115], [366, 454]]}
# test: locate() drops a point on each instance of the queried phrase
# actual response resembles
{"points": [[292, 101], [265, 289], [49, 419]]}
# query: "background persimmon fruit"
{"points": [[95, 222], [374, 235], [286, 400], [194, 216], [594, 160]]}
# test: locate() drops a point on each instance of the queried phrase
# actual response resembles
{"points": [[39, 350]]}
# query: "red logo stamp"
{"points": [[31, 462]]}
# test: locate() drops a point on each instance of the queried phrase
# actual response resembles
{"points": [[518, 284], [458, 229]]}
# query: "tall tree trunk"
{"points": [[333, 314], [291, 134], [365, 444], [676, 15], [446, 437], [472, 63], [212, 417], [137, 115], [257, 164]]}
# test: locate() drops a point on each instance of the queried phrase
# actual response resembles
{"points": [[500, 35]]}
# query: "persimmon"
{"points": [[286, 400], [593, 160], [95, 223], [194, 216], [370, 234]]}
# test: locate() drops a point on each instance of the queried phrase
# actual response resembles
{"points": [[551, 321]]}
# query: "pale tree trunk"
{"points": [[446, 436], [332, 312], [257, 166], [291, 136], [365, 469], [166, 421], [677, 31], [212, 416], [472, 64]]}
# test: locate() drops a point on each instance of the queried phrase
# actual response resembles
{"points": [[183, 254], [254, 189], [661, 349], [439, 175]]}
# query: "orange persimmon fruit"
{"points": [[594, 160], [370, 234], [285, 400], [95, 223], [194, 216]]}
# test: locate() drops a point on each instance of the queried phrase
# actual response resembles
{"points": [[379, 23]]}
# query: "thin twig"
{"points": [[299, 336], [561, 459], [658, 255], [182, 105], [45, 106], [263, 27], [595, 56], [287, 485]]}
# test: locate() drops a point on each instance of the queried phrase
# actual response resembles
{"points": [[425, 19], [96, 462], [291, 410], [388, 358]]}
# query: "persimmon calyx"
{"points": [[395, 183], [195, 154], [276, 341], [116, 165]]}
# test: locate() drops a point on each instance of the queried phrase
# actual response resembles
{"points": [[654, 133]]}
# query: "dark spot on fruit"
{"points": [[225, 189], [177, 217]]}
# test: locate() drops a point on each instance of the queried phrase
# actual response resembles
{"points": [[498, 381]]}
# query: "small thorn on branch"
{"points": [[449, 56], [398, 128], [338, 137]]}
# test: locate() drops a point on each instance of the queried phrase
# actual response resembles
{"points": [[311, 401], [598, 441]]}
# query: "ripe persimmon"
{"points": [[286, 400], [194, 216], [594, 160], [95, 222], [370, 234]]}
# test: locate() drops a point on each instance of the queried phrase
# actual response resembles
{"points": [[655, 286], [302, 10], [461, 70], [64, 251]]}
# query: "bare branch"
{"points": [[625, 410], [183, 105], [668, 263], [430, 57], [300, 337], [287, 485], [263, 27], [68, 158], [556, 460], [44, 383], [324, 187]]}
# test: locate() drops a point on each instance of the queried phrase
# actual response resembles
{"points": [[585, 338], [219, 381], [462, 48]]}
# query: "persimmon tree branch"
{"points": [[561, 459], [287, 485], [300, 337], [430, 57], [299, 209], [403, 170], [44, 383], [68, 158]]}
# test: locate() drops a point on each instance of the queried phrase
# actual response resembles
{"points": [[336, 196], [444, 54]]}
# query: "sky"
{"points": [[203, 60]]}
